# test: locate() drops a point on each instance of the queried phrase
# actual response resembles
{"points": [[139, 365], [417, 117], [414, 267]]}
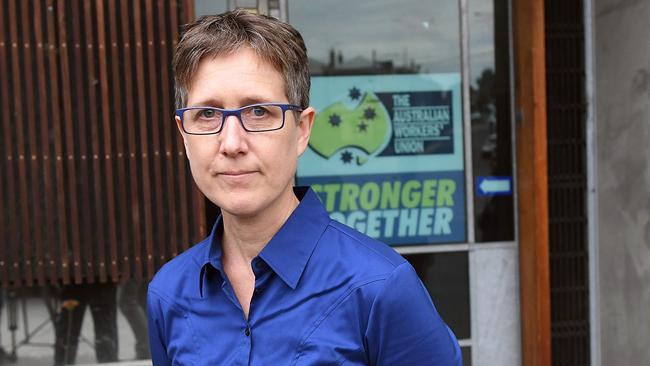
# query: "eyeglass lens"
{"points": [[254, 118]]}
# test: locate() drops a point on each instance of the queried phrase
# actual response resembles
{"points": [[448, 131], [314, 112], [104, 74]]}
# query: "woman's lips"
{"points": [[236, 173], [236, 176]]}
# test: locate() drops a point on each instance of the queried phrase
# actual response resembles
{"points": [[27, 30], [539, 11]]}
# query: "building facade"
{"points": [[501, 146]]}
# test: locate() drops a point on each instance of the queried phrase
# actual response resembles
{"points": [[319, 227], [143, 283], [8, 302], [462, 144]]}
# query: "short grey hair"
{"points": [[274, 41]]}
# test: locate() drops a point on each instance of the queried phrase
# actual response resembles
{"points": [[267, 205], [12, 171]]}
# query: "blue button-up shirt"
{"points": [[325, 294]]}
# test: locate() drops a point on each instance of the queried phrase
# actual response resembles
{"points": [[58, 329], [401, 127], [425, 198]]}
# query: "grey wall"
{"points": [[494, 270], [622, 127]]}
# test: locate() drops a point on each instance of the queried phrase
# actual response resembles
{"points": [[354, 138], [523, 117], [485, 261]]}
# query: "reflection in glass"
{"points": [[378, 37], [446, 277], [467, 355], [209, 7], [490, 115]]}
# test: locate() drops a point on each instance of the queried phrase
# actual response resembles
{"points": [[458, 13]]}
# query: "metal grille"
{"points": [[94, 185], [567, 181]]}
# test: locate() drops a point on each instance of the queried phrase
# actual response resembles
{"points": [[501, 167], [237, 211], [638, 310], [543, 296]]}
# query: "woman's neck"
{"points": [[245, 237]]}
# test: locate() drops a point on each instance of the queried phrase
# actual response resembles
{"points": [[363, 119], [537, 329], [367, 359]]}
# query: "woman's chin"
{"points": [[242, 209]]}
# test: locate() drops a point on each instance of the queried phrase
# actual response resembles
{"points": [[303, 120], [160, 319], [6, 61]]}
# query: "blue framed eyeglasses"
{"points": [[261, 117]]}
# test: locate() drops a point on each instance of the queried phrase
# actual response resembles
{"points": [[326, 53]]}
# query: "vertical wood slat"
{"points": [[49, 205], [166, 123], [119, 143], [199, 199], [33, 151], [188, 5], [94, 266], [155, 136], [180, 159], [7, 180], [3, 232], [60, 212], [18, 158], [142, 103], [70, 144], [37, 156], [86, 217], [58, 149], [108, 167], [19, 264], [132, 146]]}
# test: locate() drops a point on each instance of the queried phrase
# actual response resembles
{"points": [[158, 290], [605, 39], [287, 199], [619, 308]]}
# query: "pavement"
{"points": [[34, 338]]}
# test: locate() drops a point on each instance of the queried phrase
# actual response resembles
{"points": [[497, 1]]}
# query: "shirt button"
{"points": [[247, 331], [258, 291]]}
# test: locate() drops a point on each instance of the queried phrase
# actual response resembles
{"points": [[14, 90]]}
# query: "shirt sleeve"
{"points": [[156, 331], [404, 327]]}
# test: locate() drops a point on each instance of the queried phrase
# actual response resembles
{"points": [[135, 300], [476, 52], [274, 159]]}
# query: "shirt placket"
{"points": [[243, 352], [262, 273]]}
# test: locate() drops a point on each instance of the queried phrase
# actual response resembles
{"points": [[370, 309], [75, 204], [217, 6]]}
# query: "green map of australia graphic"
{"points": [[338, 128]]}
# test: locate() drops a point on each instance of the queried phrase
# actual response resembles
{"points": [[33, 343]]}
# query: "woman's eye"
{"points": [[207, 113], [259, 111]]}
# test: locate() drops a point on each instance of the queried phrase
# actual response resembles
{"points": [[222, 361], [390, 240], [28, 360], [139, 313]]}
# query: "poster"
{"points": [[386, 155]]}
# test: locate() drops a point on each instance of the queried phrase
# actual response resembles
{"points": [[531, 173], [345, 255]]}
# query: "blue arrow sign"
{"points": [[494, 186]]}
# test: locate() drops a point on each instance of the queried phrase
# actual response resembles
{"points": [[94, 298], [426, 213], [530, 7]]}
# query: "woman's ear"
{"points": [[179, 125], [304, 128]]}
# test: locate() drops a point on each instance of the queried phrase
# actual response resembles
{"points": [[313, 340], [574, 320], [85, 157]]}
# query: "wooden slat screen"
{"points": [[95, 185]]}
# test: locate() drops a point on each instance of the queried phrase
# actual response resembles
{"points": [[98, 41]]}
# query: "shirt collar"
{"points": [[291, 247], [288, 252], [212, 253]]}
